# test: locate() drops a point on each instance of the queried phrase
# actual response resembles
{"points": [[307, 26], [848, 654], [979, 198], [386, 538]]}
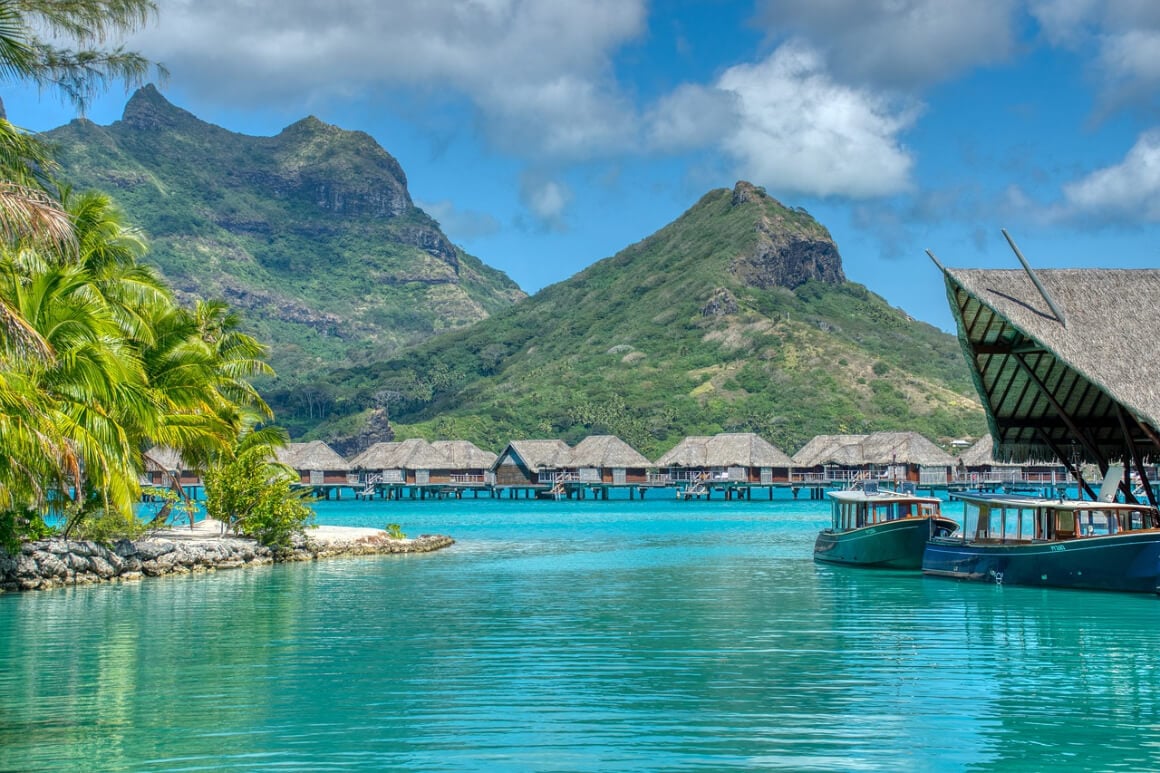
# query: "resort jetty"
{"points": [[727, 466], [56, 563]]}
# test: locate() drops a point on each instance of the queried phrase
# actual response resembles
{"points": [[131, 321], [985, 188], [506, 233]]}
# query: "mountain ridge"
{"points": [[311, 232], [737, 316]]}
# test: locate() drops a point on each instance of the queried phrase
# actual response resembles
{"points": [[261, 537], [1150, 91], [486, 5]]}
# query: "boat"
{"points": [[880, 528], [1011, 539]]}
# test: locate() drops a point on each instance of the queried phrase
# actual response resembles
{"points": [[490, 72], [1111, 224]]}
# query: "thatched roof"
{"points": [[379, 456], [315, 455], [830, 449], [903, 448], [418, 454], [163, 459], [982, 454], [690, 452], [538, 454], [728, 449], [1048, 382], [606, 451], [880, 448], [464, 455]]}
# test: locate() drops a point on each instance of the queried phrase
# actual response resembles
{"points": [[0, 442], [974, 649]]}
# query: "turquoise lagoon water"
{"points": [[578, 636]]}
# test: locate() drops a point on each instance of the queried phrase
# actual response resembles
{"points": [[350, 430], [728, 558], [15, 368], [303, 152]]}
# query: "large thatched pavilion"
{"points": [[1065, 361]]}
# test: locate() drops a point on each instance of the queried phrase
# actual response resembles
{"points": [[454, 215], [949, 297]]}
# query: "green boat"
{"points": [[879, 528]]}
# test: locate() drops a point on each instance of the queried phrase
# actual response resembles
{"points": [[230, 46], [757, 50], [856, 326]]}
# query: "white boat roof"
{"points": [[1019, 500], [881, 495]]}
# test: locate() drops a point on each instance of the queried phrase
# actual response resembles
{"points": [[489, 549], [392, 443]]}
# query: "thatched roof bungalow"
{"points": [[530, 462], [894, 455], [316, 463], [843, 450], [465, 462], [1065, 362], [419, 462], [164, 467], [735, 456], [608, 459]]}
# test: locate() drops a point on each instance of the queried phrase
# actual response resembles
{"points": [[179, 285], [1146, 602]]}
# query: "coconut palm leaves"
{"points": [[31, 29], [121, 367]]}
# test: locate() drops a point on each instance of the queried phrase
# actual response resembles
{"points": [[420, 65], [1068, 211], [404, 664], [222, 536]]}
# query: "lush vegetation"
{"points": [[98, 361], [633, 346], [312, 233]]}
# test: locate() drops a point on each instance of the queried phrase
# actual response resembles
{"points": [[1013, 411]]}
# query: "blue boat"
{"points": [[1020, 540], [879, 528]]}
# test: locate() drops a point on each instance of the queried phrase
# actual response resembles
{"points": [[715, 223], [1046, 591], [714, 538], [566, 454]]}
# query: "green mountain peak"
{"points": [[737, 317], [311, 233]]}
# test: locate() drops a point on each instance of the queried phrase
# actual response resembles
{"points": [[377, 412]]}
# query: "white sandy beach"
{"points": [[324, 535]]}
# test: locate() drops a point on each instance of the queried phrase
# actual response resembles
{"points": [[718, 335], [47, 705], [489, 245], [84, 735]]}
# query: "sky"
{"points": [[545, 135]]}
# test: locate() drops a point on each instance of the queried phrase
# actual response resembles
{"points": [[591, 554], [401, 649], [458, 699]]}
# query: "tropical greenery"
{"points": [[667, 339], [98, 361], [252, 494], [311, 232]]}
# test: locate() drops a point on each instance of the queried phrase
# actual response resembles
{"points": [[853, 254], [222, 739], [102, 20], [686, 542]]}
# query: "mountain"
{"points": [[735, 317], [312, 233]]}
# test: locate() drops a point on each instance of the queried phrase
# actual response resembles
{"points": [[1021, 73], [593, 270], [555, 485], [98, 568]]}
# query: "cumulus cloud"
{"points": [[460, 224], [1121, 38], [518, 63], [898, 43], [547, 199], [801, 131], [1125, 192], [691, 116]]}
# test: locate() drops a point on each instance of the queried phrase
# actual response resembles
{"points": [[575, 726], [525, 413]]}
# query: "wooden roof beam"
{"points": [[1081, 436]]}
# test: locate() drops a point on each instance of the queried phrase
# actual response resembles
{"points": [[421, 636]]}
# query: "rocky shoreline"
{"points": [[57, 563]]}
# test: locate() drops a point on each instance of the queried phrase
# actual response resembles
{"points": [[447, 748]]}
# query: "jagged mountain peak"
{"points": [[147, 109]]}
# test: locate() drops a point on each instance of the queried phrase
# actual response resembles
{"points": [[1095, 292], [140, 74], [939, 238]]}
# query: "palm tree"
{"points": [[30, 29]]}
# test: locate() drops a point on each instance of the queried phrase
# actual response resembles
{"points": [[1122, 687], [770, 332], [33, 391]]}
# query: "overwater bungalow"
{"points": [[527, 463], [467, 463], [827, 459], [164, 467], [894, 457], [377, 464], [316, 463], [608, 460], [732, 457], [907, 456]]}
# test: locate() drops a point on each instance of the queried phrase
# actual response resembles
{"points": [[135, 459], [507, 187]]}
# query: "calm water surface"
{"points": [[579, 636]]}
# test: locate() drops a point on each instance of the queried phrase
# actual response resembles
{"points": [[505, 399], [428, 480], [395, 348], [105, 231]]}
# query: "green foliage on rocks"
{"points": [[736, 317], [311, 233]]}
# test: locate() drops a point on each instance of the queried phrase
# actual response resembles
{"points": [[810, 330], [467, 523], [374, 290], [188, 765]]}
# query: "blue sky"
{"points": [[545, 135]]}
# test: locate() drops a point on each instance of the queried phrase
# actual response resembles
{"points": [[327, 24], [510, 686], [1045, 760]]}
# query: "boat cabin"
{"points": [[857, 509], [1009, 519]]}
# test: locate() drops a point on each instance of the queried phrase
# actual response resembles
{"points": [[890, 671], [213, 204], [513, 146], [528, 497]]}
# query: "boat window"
{"points": [[1026, 524], [996, 523], [972, 520], [1095, 523], [1064, 524]]}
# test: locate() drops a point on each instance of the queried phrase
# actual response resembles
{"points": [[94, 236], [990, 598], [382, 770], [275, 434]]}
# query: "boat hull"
{"points": [[892, 545], [1124, 562]]}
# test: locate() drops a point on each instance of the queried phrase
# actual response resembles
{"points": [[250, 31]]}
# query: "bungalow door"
{"points": [[422, 477], [619, 476], [317, 477]]}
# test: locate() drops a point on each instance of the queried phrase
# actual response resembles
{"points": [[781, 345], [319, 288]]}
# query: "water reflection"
{"points": [[664, 642]]}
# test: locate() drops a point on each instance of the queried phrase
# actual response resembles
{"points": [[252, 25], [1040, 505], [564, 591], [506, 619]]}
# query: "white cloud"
{"points": [[519, 63], [546, 199], [800, 131], [1126, 192], [460, 224], [1121, 38], [690, 117], [898, 43]]}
